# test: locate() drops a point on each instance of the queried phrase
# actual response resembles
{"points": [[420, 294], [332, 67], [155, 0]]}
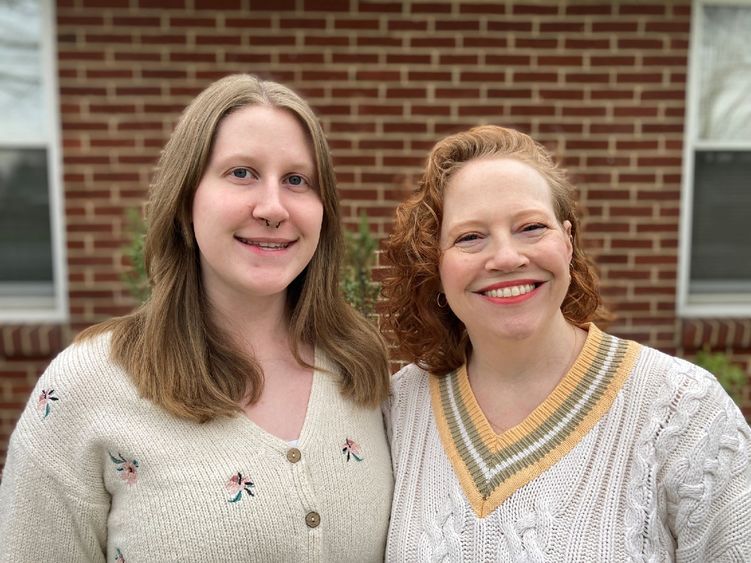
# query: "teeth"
{"points": [[269, 245], [512, 291]]}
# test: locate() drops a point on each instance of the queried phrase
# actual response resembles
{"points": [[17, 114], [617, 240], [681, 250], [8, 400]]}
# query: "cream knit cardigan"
{"points": [[662, 474], [95, 473]]}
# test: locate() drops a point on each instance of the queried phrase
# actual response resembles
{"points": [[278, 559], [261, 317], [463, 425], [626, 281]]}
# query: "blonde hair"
{"points": [[177, 357], [424, 332]]}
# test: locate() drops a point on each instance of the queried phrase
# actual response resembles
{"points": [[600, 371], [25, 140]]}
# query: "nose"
{"points": [[505, 256], [268, 203]]}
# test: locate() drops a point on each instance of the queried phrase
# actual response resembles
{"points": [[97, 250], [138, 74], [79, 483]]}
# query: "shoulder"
{"points": [[408, 402], [686, 412], [408, 382], [679, 385], [78, 385], [85, 369]]}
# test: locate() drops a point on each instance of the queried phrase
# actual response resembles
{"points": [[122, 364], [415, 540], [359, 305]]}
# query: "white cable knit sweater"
{"points": [[635, 456], [95, 473]]}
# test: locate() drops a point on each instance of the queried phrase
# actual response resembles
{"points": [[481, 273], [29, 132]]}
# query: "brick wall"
{"points": [[601, 83]]}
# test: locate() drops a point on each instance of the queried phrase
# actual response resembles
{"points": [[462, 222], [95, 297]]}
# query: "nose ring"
{"points": [[268, 224]]}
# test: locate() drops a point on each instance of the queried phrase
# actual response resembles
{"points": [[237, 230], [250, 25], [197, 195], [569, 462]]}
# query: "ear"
{"points": [[569, 238]]}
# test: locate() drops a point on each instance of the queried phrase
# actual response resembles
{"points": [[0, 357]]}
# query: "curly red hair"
{"points": [[425, 332]]}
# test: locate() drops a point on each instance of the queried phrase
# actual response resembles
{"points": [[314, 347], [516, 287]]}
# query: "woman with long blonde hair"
{"points": [[235, 415]]}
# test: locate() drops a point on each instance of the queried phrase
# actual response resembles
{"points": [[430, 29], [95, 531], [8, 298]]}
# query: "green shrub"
{"points": [[135, 278], [732, 378], [356, 282]]}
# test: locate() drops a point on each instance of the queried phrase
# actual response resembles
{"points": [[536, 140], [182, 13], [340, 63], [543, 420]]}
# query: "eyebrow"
{"points": [[308, 168]]}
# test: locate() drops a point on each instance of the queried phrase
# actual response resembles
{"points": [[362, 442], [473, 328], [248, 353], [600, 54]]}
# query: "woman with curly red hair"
{"points": [[521, 431]]}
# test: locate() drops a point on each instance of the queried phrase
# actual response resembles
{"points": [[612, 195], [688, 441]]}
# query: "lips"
{"points": [[265, 244], [510, 291]]}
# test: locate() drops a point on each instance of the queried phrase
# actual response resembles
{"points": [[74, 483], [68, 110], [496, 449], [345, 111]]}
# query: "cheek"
{"points": [[311, 217], [452, 270]]}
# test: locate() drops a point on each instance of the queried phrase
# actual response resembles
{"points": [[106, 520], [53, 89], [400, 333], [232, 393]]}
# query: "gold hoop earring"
{"points": [[438, 300]]}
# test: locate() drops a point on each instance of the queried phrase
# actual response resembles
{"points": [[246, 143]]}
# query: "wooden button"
{"points": [[312, 519], [293, 455]]}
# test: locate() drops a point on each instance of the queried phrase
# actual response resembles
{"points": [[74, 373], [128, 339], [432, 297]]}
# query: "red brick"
{"points": [[460, 93], [302, 23], [457, 25], [482, 8], [406, 25], [642, 9], [642, 44], [590, 9], [272, 5], [585, 44], [162, 4], [534, 43], [104, 3], [430, 8], [510, 25], [352, 23], [615, 27], [508, 59], [326, 5], [563, 27], [486, 42]]}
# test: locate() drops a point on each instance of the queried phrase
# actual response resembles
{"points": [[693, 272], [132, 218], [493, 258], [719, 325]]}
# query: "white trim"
{"points": [[718, 305], [55, 309]]}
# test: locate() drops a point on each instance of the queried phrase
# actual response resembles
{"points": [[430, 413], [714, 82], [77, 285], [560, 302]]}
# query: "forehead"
{"points": [[265, 126], [505, 181]]}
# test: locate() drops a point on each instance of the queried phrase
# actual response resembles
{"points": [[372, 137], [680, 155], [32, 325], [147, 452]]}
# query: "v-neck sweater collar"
{"points": [[491, 466]]}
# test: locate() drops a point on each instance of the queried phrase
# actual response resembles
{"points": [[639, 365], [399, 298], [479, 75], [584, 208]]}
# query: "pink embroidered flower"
{"points": [[119, 558], [43, 402], [351, 449], [126, 468], [237, 484]]}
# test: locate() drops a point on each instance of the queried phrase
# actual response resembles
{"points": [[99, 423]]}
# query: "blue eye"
{"points": [[296, 180], [241, 173]]}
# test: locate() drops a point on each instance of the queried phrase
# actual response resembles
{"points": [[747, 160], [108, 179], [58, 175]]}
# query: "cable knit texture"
{"points": [[662, 474], [95, 473]]}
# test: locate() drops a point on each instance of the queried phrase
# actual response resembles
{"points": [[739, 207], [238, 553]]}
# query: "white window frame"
{"points": [[705, 305], [27, 309]]}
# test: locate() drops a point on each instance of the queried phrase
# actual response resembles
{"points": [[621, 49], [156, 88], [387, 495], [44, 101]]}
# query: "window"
{"points": [[715, 259], [32, 280]]}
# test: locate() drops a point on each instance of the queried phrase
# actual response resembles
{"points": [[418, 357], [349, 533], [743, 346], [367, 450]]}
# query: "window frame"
{"points": [[27, 309], [710, 304]]}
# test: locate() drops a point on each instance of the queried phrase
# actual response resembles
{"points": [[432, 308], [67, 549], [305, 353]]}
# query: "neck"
{"points": [[544, 355], [511, 378], [260, 327]]}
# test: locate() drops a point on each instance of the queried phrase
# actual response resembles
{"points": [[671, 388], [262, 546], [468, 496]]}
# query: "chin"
{"points": [[517, 330]]}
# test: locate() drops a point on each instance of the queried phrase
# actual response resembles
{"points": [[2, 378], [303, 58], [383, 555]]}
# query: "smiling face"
{"points": [[257, 213], [504, 256]]}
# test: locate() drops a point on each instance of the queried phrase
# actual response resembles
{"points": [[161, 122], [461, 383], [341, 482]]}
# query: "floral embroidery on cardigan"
{"points": [[352, 450], [126, 468], [237, 484], [119, 558], [43, 402]]}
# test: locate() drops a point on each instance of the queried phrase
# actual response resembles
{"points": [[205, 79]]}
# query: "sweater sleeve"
{"points": [[708, 481], [41, 519], [53, 504]]}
